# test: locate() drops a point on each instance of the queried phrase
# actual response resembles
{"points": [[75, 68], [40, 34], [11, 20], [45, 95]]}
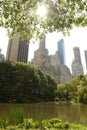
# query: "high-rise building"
{"points": [[61, 51], [86, 58], [54, 60], [77, 67], [17, 50], [41, 55], [50, 64], [42, 43], [77, 56]]}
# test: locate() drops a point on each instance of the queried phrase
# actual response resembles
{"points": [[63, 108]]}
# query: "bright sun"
{"points": [[41, 10]]}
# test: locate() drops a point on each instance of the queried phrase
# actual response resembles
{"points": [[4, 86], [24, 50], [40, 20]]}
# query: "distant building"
{"points": [[17, 50], [77, 67], [54, 60], [77, 56], [86, 58], [50, 64], [61, 51], [2, 57], [41, 55]]}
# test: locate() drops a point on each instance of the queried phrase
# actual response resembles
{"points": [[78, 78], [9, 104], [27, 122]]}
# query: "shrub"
{"points": [[66, 125], [45, 124], [30, 123], [16, 116], [3, 121], [55, 120]]}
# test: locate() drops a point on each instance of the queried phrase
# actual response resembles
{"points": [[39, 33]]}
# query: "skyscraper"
{"points": [[17, 50], [41, 55], [61, 51], [77, 67], [77, 56], [86, 58], [42, 43], [50, 64]]}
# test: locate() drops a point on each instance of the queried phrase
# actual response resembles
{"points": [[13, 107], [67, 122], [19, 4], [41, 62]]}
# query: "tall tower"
{"points": [[17, 50], [77, 56], [41, 57], [0, 51], [86, 58], [77, 67], [61, 51], [42, 43]]}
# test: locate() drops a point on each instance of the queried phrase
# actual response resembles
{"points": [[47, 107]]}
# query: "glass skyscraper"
{"points": [[61, 51]]}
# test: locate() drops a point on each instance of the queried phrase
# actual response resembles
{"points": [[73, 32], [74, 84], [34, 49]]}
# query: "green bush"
{"points": [[54, 123], [16, 116], [66, 125], [46, 124], [20, 82], [55, 120], [30, 123], [3, 121]]}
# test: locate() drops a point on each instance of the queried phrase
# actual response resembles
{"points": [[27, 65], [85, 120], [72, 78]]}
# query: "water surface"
{"points": [[39, 111]]}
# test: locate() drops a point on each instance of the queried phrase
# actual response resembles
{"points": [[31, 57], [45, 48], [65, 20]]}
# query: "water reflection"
{"points": [[39, 111]]}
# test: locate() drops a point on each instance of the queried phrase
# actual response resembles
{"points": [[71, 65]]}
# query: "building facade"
{"points": [[77, 55], [61, 51], [54, 60], [41, 55], [77, 67], [50, 64], [17, 50], [86, 58]]}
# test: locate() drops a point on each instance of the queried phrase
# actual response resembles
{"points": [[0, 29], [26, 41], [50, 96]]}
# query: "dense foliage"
{"points": [[75, 91], [21, 16], [21, 82]]}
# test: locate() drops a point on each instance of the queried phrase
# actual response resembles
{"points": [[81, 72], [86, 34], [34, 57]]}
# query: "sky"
{"points": [[77, 38]]}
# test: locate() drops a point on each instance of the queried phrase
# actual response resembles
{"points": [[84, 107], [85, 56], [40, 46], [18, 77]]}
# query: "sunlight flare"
{"points": [[41, 11]]}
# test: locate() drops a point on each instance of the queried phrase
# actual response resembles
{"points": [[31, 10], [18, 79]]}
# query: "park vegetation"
{"points": [[20, 82], [23, 83], [75, 90], [61, 16]]}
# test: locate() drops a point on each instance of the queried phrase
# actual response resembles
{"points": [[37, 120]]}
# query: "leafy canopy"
{"points": [[62, 15]]}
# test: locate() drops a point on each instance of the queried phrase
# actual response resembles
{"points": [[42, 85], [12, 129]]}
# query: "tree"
{"points": [[20, 16], [22, 82], [62, 92]]}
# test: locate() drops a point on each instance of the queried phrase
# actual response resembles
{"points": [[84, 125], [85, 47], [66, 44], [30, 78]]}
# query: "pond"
{"points": [[39, 111]]}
